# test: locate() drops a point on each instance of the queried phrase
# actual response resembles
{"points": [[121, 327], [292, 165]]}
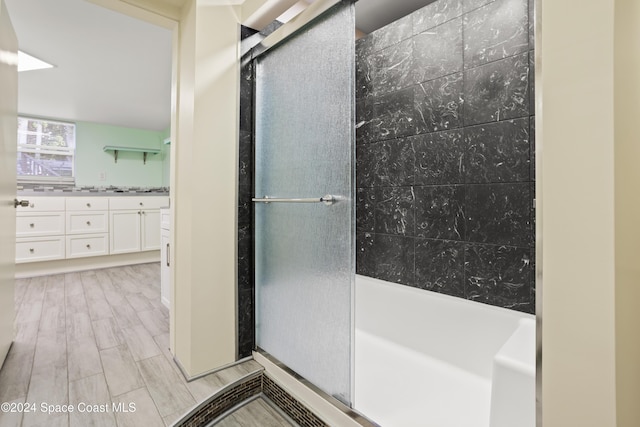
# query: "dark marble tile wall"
{"points": [[444, 155], [246, 291]]}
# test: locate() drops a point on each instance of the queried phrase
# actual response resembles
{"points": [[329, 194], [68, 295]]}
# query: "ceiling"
{"points": [[111, 68]]}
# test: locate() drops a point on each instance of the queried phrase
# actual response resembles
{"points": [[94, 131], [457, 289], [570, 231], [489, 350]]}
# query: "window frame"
{"points": [[39, 149]]}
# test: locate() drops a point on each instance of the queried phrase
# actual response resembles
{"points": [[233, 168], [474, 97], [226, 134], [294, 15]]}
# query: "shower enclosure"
{"points": [[303, 204]]}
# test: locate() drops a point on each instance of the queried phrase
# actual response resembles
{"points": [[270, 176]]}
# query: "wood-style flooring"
{"points": [[93, 340]]}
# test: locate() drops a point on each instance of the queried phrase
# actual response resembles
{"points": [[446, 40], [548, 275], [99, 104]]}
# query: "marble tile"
{"points": [[166, 388], [393, 68], [497, 91], [440, 266], [469, 5], [365, 209], [498, 275], [245, 258], [440, 212], [364, 166], [386, 257], [83, 358], [532, 24], [107, 333], [392, 33], [364, 120], [498, 152], [92, 394], [140, 409], [393, 115], [438, 104], [437, 52], [439, 157], [532, 195], [245, 163], [495, 31], [364, 45], [246, 321], [532, 86], [364, 73], [391, 163], [246, 97], [532, 147], [436, 13], [120, 370], [498, 214], [140, 342], [394, 211]]}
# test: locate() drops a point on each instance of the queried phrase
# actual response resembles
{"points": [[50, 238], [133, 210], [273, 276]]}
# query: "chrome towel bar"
{"points": [[327, 200]]}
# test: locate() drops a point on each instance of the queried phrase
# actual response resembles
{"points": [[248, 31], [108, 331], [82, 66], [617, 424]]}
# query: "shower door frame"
{"points": [[304, 20]]}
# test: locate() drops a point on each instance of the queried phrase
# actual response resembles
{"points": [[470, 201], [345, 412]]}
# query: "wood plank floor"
{"points": [[96, 338]]}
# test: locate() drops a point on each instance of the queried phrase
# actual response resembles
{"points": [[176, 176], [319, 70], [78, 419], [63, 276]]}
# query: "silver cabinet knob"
{"points": [[88, 205], [88, 222], [88, 246], [32, 225], [31, 250]]}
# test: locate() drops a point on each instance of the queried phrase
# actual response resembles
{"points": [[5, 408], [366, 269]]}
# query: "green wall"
{"points": [[92, 161]]}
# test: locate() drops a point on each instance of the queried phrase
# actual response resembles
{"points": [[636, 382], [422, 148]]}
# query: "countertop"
{"points": [[92, 192]]}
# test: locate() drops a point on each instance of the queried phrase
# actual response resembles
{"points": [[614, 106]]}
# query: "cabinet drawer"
{"points": [[42, 204], [87, 245], [165, 219], [150, 202], [39, 249], [39, 224], [87, 222], [87, 203]]}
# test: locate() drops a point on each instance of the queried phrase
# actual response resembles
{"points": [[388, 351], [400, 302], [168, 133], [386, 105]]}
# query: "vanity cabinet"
{"points": [[87, 220], [55, 228], [40, 229], [134, 223]]}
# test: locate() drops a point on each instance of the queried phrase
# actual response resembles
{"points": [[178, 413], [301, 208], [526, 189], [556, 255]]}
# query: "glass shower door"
{"points": [[304, 215]]}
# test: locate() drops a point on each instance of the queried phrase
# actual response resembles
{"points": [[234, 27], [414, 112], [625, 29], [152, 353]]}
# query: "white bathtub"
{"points": [[425, 359]]}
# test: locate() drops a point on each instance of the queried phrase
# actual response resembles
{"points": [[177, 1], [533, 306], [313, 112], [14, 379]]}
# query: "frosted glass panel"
{"points": [[305, 251]]}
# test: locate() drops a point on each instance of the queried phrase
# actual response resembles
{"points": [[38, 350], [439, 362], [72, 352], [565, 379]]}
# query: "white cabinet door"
{"points": [[125, 231], [150, 230], [165, 268]]}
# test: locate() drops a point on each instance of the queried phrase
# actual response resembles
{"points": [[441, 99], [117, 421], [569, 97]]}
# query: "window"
{"points": [[46, 151]]}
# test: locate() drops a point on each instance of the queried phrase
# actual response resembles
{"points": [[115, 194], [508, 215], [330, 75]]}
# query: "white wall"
{"points": [[627, 208], [205, 188]]}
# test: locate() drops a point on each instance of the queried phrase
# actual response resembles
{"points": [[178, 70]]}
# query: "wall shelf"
{"points": [[144, 151]]}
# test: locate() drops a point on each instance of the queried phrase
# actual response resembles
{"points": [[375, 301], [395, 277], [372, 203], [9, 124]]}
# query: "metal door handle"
{"points": [[168, 256], [23, 203], [327, 200]]}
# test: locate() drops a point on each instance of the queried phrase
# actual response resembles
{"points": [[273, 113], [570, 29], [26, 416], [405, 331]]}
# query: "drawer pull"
{"points": [[141, 204], [32, 225], [31, 250], [88, 205], [88, 222], [88, 246]]}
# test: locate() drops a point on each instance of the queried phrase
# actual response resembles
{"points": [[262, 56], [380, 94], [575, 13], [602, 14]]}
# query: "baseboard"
{"points": [[45, 268]]}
